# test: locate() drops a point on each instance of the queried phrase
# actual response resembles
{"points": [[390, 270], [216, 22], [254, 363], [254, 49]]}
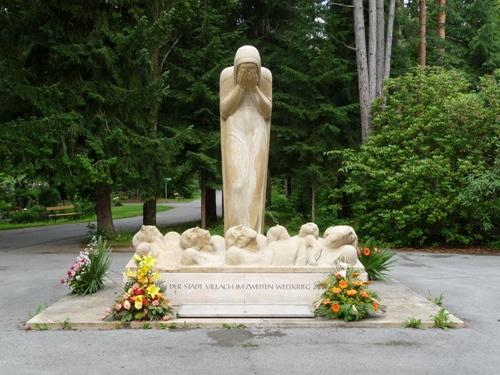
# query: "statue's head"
{"points": [[196, 238], [340, 235], [309, 229], [277, 233], [241, 236], [247, 59]]}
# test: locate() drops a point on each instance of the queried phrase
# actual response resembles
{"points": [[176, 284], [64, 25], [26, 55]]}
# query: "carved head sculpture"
{"points": [[340, 235], [309, 229], [277, 233], [196, 238], [147, 233], [246, 61], [242, 237]]}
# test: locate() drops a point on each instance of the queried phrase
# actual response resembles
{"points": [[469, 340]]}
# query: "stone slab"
{"points": [[88, 312], [242, 288], [244, 311]]}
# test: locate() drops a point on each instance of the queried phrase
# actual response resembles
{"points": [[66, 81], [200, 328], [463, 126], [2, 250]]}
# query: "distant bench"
{"points": [[62, 211]]}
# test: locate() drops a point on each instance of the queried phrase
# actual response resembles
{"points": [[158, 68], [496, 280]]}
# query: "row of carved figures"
{"points": [[244, 246]]}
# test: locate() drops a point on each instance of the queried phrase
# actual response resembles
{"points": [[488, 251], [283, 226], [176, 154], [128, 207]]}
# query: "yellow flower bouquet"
{"points": [[143, 296]]}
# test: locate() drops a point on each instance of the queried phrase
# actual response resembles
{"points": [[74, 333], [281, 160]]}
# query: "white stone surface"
{"points": [[244, 311], [242, 288]]}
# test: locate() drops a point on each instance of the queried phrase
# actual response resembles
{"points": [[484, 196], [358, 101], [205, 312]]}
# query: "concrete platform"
{"points": [[72, 312]]}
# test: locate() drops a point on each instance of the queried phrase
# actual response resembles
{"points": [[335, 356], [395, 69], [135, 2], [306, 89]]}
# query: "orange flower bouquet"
{"points": [[346, 297]]}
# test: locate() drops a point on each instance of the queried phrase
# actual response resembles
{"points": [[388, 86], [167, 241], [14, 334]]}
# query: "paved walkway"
{"points": [[69, 236], [470, 284], [30, 270]]}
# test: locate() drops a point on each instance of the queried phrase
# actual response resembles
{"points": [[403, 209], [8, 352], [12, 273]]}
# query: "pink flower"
{"points": [[166, 317], [118, 306], [155, 303], [63, 281]]}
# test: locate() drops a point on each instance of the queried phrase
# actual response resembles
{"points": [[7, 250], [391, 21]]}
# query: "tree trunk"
{"points": [[288, 186], [211, 205], [103, 210], [268, 190], [149, 212], [313, 203], [149, 206], [372, 48], [388, 41], [380, 46], [423, 29], [203, 208], [364, 95], [441, 27]]}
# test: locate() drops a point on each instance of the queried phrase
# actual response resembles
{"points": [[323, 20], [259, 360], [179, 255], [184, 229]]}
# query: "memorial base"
{"points": [[262, 292]]}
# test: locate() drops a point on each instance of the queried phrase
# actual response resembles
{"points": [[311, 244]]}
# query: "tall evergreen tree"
{"points": [[80, 97]]}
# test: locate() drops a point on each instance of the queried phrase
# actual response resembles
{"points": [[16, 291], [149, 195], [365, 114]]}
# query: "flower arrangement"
{"points": [[377, 262], [86, 274], [143, 297], [346, 297]]}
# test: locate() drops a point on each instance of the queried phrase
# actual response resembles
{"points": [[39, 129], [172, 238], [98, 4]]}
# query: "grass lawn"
{"points": [[120, 212]]}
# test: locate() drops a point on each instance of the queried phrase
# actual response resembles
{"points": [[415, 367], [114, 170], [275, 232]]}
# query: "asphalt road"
{"points": [[68, 236], [470, 284]]}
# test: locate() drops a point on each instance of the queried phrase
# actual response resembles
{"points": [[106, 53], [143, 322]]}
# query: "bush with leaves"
{"points": [[29, 215], [429, 172], [86, 274]]}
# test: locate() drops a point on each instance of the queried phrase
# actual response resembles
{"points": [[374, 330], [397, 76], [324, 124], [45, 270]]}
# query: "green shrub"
{"points": [[413, 323], [49, 196], [29, 215], [429, 172]]}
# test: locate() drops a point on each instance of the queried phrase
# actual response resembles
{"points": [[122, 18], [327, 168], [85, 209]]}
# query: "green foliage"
{"points": [[167, 326], [437, 300], [472, 42], [442, 319], [377, 262], [413, 323], [39, 308], [66, 324], [412, 182], [28, 215], [86, 275], [49, 196]]}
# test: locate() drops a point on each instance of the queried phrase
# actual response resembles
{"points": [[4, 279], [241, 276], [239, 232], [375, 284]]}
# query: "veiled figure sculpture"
{"points": [[245, 110]]}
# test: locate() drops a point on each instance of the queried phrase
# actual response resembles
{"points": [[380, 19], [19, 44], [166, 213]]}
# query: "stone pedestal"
{"points": [[244, 291]]}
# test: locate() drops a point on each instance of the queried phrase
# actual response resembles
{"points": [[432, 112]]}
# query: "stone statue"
{"points": [[199, 248], [245, 111], [339, 244], [283, 250], [242, 246], [309, 233]]}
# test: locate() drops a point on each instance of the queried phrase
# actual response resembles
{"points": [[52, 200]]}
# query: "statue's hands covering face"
{"points": [[247, 76]]}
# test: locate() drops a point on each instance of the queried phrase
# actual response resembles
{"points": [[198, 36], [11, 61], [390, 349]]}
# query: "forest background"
{"points": [[103, 100]]}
